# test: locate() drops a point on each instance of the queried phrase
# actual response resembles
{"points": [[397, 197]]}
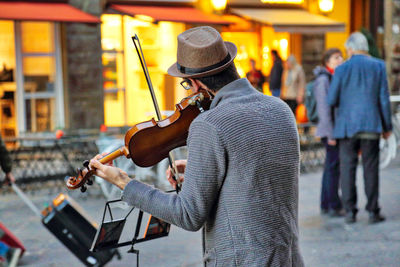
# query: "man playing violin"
{"points": [[241, 175]]}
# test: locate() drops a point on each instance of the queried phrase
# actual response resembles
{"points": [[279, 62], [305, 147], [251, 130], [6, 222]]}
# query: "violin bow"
{"points": [[142, 60]]}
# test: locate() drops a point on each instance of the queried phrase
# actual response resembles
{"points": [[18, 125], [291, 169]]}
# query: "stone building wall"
{"points": [[84, 85], [392, 44]]}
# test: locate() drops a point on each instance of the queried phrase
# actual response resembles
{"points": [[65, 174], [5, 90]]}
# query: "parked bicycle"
{"points": [[388, 148]]}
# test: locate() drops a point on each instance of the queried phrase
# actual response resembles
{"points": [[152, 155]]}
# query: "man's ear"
{"points": [[195, 85]]}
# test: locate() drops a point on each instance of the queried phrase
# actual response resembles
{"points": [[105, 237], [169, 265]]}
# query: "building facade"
{"points": [[291, 27], [127, 99], [37, 42], [80, 72], [392, 43]]}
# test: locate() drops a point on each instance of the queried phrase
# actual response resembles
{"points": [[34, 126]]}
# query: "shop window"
{"points": [[28, 77], [253, 45], [39, 74], [39, 114], [124, 82], [39, 71], [159, 44], [113, 70], [37, 37], [247, 44], [272, 40], [7, 80]]}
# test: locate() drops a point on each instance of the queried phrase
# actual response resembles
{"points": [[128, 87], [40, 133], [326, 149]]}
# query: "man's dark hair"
{"points": [[275, 53], [328, 53], [220, 79]]}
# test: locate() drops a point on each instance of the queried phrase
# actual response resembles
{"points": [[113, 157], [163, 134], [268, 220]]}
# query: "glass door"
{"points": [[39, 77]]}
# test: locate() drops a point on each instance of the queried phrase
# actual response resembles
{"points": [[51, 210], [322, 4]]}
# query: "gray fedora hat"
{"points": [[202, 52]]}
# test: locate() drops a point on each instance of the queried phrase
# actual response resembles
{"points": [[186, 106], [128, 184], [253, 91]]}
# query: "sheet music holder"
{"points": [[109, 233]]}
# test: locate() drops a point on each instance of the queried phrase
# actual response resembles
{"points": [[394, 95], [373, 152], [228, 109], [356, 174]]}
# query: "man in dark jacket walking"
{"points": [[5, 162], [359, 91], [275, 76]]}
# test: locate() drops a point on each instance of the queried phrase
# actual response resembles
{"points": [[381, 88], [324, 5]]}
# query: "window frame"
{"points": [[58, 115], [117, 52]]}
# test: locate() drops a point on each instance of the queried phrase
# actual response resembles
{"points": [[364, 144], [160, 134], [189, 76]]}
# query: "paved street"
{"points": [[324, 241]]}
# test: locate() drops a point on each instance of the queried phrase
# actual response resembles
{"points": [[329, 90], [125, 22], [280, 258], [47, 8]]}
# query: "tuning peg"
{"points": [[86, 164], [89, 181], [199, 106], [83, 188]]}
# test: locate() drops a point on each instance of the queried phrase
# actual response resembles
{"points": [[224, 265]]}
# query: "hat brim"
{"points": [[232, 50]]}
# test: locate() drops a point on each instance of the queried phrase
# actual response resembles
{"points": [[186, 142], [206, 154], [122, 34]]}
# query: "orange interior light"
{"points": [[144, 18], [219, 5], [283, 1], [325, 6], [58, 200]]}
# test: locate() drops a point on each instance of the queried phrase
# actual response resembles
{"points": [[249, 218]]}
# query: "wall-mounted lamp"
{"points": [[144, 18], [325, 6], [219, 5], [282, 1]]}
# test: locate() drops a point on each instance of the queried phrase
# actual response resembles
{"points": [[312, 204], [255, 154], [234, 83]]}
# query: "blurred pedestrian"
{"points": [[330, 200], [255, 76], [275, 76], [247, 205], [293, 83], [6, 163], [359, 91], [9, 256]]}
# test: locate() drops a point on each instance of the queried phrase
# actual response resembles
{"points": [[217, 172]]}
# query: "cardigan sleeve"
{"points": [[204, 174], [325, 120]]}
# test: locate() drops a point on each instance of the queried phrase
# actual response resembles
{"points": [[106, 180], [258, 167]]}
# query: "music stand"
{"points": [[109, 233]]}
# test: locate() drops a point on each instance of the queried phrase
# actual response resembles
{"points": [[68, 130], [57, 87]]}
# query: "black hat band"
{"points": [[201, 70]]}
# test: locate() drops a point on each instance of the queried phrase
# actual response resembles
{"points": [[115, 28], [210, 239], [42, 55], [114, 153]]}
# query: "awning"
{"points": [[168, 13], [291, 20], [237, 22], [44, 11]]}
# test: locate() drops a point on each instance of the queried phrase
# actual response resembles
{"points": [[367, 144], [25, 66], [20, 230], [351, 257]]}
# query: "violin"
{"points": [[149, 142]]}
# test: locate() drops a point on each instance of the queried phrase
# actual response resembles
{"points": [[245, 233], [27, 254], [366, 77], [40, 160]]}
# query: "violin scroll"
{"points": [[85, 173], [83, 178]]}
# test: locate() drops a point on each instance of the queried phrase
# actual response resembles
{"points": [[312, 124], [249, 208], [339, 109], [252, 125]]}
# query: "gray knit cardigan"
{"points": [[241, 181]]}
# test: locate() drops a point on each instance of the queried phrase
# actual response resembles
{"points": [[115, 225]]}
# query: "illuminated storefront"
{"points": [[62, 78], [28, 53], [252, 45], [275, 24], [127, 99], [31, 74], [126, 95]]}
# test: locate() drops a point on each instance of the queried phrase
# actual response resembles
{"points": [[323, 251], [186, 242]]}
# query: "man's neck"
{"points": [[360, 53]]}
